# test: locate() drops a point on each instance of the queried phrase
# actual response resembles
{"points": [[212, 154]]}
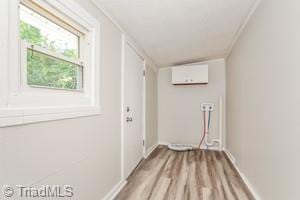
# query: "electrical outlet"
{"points": [[207, 106]]}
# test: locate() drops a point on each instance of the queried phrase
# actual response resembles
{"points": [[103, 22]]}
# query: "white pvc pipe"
{"points": [[219, 141], [207, 143], [206, 140], [220, 123]]}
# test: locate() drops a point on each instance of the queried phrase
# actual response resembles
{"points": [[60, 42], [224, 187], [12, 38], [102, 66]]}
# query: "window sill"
{"points": [[21, 116]]}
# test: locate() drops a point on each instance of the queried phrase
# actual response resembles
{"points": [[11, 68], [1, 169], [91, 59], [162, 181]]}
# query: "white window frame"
{"points": [[21, 103]]}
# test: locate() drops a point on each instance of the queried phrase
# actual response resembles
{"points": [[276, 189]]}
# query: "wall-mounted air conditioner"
{"points": [[190, 75]]}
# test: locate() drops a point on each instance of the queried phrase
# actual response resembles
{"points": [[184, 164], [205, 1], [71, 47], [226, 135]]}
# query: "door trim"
{"points": [[125, 41]]}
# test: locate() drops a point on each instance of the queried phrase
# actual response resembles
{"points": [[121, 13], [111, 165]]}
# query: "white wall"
{"points": [[180, 119], [84, 152], [264, 101], [151, 108]]}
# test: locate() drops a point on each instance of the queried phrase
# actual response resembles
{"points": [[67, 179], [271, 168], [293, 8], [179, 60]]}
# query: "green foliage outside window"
{"points": [[43, 70]]}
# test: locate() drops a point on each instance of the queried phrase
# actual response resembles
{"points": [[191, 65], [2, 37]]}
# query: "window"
{"points": [[52, 66], [52, 51]]}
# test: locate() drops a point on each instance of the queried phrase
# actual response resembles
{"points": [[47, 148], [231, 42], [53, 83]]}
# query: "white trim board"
{"points": [[115, 191], [119, 186], [144, 109], [150, 150], [230, 156], [245, 179], [150, 60], [141, 52], [196, 63], [47, 116], [122, 106], [242, 27], [125, 44]]}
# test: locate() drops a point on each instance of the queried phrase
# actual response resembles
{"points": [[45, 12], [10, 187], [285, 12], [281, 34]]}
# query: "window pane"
{"points": [[38, 30], [43, 70]]}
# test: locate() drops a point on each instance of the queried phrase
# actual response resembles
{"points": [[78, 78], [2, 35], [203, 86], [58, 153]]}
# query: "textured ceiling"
{"points": [[180, 31]]}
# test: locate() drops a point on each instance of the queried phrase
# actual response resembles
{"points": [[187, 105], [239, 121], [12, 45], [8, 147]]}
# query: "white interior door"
{"points": [[133, 113]]}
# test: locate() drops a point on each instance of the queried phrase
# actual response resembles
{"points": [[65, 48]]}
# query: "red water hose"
{"points": [[204, 129]]}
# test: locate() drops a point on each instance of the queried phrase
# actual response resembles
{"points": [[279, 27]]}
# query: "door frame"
{"points": [[126, 41]]}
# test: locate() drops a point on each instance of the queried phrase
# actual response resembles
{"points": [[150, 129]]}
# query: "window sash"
{"points": [[26, 47], [59, 20], [50, 53], [66, 24]]}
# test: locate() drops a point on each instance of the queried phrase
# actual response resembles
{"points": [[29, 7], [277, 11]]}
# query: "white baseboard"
{"points": [[230, 156], [163, 143], [150, 150], [245, 179], [115, 190], [196, 146]]}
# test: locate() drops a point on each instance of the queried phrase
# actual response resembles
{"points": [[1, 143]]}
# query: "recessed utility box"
{"points": [[207, 107], [190, 75]]}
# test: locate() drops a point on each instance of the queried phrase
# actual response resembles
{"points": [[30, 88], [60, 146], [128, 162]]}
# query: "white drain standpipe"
{"points": [[220, 123], [208, 107]]}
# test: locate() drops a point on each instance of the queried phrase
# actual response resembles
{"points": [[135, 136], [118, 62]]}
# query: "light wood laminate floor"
{"points": [[191, 175]]}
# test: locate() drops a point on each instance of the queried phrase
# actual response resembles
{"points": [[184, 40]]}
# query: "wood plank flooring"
{"points": [[191, 175]]}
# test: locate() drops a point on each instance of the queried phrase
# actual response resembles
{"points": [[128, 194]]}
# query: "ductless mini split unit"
{"points": [[190, 75]]}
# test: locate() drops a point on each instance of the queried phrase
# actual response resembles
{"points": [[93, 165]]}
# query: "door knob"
{"points": [[129, 119]]}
